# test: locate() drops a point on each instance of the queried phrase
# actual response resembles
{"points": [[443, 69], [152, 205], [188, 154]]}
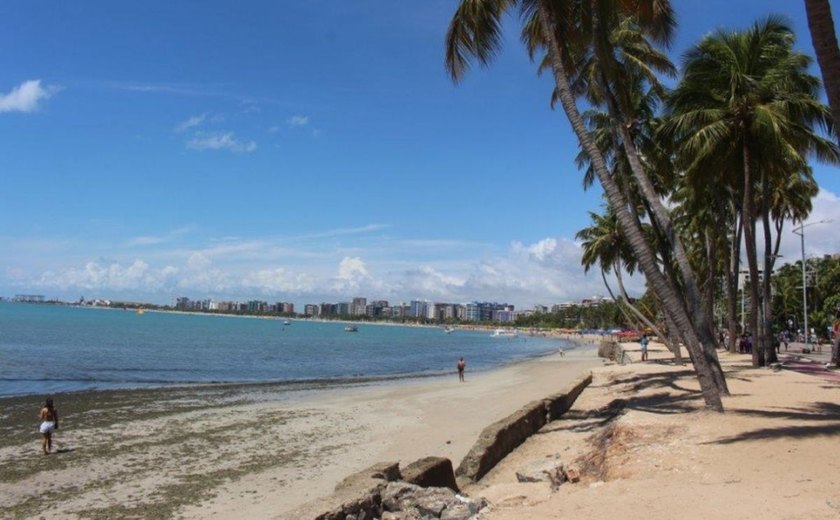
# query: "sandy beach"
{"points": [[638, 434], [253, 451], [646, 448]]}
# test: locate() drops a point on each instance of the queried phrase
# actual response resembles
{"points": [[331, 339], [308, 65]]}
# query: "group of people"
{"points": [[745, 344]]}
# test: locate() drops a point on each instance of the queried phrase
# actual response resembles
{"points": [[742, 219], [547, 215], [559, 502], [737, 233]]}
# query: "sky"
{"points": [[299, 151]]}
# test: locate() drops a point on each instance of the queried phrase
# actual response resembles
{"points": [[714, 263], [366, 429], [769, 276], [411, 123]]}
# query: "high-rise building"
{"points": [[359, 306], [473, 311], [419, 309], [311, 310], [374, 309]]}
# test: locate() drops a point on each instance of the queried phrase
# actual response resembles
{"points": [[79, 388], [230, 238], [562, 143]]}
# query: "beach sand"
{"points": [[248, 451], [656, 454], [639, 435]]}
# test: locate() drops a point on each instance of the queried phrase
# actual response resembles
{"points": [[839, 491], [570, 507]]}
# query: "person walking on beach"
{"points": [[49, 423], [644, 344], [462, 365]]}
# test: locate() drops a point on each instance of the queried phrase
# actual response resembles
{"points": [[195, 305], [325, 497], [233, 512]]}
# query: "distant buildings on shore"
{"points": [[28, 298], [359, 307]]}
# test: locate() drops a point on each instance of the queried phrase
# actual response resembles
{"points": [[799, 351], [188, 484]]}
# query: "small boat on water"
{"points": [[351, 328], [449, 330], [140, 312], [286, 322], [504, 333]]}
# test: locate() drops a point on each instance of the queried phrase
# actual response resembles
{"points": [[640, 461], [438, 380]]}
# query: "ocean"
{"points": [[46, 349]]}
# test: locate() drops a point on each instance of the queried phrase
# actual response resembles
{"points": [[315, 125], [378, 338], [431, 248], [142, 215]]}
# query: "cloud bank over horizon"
{"points": [[160, 268]]}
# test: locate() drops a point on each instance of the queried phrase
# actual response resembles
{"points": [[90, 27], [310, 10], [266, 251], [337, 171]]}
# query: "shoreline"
{"points": [[575, 344], [254, 449]]}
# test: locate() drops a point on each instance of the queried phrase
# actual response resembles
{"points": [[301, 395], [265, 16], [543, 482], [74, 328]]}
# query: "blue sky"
{"points": [[295, 151]]}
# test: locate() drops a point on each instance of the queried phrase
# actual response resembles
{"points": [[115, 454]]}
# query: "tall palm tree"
{"points": [[821, 27], [747, 102], [618, 72], [475, 34]]}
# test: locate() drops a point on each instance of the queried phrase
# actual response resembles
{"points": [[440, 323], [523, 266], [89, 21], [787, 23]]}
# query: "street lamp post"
{"points": [[800, 230]]}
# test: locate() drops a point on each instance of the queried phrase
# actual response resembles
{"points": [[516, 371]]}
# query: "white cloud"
{"points": [[352, 268], [353, 277], [198, 262], [821, 231], [191, 122], [279, 280], [26, 97], [298, 121], [429, 282], [149, 240], [114, 277], [221, 141]]}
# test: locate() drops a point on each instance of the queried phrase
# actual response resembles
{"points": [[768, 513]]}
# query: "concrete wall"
{"points": [[502, 437]]}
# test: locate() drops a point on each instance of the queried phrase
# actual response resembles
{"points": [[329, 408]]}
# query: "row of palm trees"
{"points": [[686, 173]]}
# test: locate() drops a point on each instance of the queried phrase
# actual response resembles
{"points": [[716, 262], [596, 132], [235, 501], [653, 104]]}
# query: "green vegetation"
{"points": [[687, 174], [823, 296], [606, 315]]}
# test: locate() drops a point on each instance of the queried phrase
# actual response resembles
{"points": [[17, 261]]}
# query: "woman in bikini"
{"points": [[49, 423]]}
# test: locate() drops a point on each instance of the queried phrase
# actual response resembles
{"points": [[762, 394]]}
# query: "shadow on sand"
{"points": [[817, 419]]}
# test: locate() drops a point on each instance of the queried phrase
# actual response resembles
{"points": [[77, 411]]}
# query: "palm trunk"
{"points": [[671, 300], [732, 282], [748, 223], [821, 26], [617, 302], [694, 302], [673, 338], [673, 347], [709, 284], [767, 325]]}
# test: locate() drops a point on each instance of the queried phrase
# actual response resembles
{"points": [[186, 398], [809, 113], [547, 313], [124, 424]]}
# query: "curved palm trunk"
{"points": [[616, 300], [703, 325], [821, 27], [748, 223], [667, 340], [670, 299]]}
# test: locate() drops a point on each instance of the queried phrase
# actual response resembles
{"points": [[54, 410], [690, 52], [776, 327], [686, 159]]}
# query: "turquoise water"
{"points": [[48, 349]]}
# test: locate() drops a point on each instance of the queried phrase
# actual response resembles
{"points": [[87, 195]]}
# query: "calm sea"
{"points": [[49, 349]]}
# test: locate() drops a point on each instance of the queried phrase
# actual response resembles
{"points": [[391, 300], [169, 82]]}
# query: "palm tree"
{"points": [[603, 244], [618, 71], [746, 102], [821, 26], [558, 29]]}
